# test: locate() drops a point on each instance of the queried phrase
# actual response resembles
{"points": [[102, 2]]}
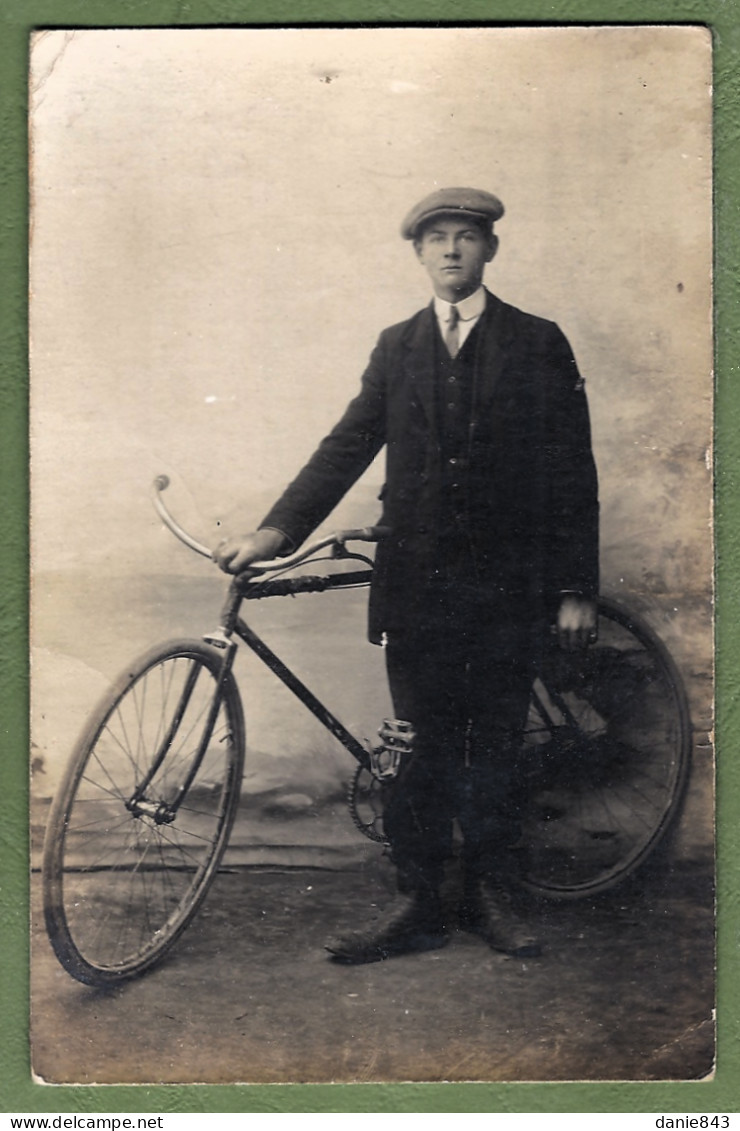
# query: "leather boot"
{"points": [[488, 910], [414, 922]]}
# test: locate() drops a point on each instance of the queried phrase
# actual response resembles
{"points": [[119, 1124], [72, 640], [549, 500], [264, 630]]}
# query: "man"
{"points": [[491, 501]]}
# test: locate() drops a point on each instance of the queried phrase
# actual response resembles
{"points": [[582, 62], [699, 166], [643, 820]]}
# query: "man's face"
{"points": [[455, 253]]}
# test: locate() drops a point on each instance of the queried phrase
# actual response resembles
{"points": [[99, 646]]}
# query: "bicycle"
{"points": [[144, 812]]}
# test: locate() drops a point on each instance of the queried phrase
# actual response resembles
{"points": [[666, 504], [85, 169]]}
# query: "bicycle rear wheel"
{"points": [[143, 815], [606, 752]]}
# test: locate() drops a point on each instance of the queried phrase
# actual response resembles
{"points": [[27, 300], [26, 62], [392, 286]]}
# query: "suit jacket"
{"points": [[528, 502]]}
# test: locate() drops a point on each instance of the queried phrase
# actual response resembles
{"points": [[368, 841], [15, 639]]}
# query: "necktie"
{"points": [[452, 334]]}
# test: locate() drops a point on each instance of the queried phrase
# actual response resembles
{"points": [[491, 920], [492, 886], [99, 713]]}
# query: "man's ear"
{"points": [[492, 247], [417, 248]]}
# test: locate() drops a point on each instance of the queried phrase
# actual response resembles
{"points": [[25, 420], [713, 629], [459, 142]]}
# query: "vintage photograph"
{"points": [[410, 328]]}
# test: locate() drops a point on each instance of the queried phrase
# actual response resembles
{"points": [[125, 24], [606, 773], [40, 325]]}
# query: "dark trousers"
{"points": [[464, 683]]}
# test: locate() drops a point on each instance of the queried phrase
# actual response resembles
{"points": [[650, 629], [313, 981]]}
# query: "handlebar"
{"points": [[160, 484], [335, 540]]}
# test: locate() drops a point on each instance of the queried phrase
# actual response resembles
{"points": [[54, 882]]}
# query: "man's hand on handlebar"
{"points": [[577, 622], [236, 554]]}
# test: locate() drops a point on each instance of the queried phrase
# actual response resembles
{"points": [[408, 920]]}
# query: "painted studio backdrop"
{"points": [[215, 249]]}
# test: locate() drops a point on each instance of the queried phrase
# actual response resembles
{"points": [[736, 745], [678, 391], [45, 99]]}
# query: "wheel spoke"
{"points": [[121, 885]]}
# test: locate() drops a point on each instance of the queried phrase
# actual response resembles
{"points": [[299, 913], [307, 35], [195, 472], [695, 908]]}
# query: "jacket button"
{"points": [[421, 529]]}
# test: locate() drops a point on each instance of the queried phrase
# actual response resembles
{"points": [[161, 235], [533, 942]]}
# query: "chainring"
{"points": [[365, 800]]}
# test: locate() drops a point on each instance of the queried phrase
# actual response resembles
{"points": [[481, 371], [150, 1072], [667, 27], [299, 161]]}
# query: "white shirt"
{"points": [[469, 310]]}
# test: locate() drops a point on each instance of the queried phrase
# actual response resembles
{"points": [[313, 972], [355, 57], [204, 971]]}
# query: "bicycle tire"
{"points": [[606, 782], [121, 885]]}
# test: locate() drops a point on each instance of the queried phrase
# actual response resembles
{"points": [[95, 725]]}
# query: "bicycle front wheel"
{"points": [[606, 754], [143, 815]]}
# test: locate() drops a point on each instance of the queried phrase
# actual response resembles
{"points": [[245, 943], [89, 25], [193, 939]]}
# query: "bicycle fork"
{"points": [[164, 812]]}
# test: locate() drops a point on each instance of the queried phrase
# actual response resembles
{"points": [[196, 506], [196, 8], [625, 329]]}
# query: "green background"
{"points": [[17, 1090]]}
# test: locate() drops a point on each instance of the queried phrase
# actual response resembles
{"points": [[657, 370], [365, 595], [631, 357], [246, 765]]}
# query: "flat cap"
{"points": [[452, 201]]}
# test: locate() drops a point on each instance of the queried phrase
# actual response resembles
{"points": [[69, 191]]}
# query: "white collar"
{"points": [[468, 308]]}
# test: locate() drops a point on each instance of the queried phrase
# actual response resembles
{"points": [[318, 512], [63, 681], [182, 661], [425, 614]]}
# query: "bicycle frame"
{"points": [[233, 623], [555, 713]]}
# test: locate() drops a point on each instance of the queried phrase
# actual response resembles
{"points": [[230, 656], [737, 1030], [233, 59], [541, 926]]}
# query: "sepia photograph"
{"points": [[411, 328]]}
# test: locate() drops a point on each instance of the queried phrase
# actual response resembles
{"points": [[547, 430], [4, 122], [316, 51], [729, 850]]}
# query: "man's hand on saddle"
{"points": [[235, 554], [576, 622]]}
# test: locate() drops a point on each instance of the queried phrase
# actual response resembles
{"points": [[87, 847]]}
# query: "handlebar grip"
{"points": [[161, 483]]}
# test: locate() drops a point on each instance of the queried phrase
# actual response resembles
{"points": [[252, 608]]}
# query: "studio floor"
{"points": [[624, 990]]}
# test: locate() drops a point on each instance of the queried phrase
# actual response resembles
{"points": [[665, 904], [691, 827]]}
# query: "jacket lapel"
{"points": [[419, 358], [491, 349]]}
